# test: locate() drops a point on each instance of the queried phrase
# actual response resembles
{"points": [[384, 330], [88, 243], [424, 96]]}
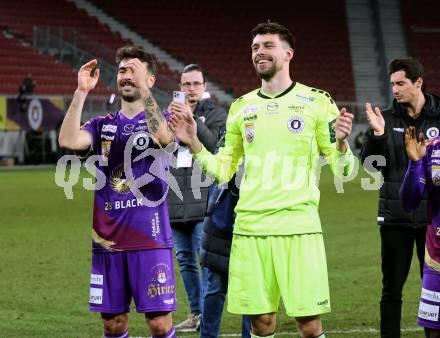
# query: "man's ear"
{"points": [[419, 82], [151, 80], [290, 52]]}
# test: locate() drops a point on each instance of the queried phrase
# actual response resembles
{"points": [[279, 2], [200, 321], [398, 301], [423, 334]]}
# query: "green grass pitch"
{"points": [[45, 262]]}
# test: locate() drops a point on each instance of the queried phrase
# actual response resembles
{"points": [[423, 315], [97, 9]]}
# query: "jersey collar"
{"points": [[260, 94]]}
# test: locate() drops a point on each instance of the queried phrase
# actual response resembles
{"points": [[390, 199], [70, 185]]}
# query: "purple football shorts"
{"points": [[147, 276]]}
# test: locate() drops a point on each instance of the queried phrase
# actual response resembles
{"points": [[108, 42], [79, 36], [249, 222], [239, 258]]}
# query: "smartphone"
{"points": [[179, 96]]}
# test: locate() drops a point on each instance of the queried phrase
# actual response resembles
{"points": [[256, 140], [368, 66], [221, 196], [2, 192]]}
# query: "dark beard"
{"points": [[131, 98], [268, 74]]}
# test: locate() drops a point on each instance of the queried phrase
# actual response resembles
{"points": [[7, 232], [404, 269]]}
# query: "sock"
{"points": [[170, 334], [269, 336], [121, 335]]}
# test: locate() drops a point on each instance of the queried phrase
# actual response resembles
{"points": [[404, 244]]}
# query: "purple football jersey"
{"points": [[424, 177], [130, 211], [420, 176]]}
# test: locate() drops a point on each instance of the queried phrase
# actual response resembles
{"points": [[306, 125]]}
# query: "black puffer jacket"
{"points": [[392, 146], [211, 120], [216, 243]]}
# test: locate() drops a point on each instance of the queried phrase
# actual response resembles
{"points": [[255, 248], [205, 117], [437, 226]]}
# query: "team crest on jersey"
{"points": [[332, 130], [161, 277], [295, 124], [140, 141], [436, 175], [250, 132], [432, 132]]}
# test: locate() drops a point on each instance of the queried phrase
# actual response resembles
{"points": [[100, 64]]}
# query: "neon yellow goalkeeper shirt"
{"points": [[281, 138]]}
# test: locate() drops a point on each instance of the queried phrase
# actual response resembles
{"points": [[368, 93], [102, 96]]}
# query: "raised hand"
{"points": [[416, 150], [139, 71], [88, 76], [177, 107], [343, 125], [183, 125], [375, 119]]}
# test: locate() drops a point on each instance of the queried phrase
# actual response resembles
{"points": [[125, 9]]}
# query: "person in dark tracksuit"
{"points": [[399, 230]]}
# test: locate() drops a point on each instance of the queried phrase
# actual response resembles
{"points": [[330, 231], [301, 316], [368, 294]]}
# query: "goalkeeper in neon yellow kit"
{"points": [[279, 130]]}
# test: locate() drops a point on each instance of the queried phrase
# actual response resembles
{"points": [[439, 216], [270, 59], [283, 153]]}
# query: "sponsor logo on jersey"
{"points": [[140, 128], [296, 108], [142, 121], [250, 132], [436, 153], [95, 296], [432, 132], [155, 226], [96, 279], [128, 129], [109, 128], [250, 118], [140, 141], [432, 296], [160, 284], [169, 301], [309, 99], [108, 137], [295, 124], [272, 107], [399, 130], [324, 302], [428, 312], [435, 173], [250, 110], [105, 149]]}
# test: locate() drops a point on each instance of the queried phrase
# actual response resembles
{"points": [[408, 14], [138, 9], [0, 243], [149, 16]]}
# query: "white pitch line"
{"points": [[364, 330]]}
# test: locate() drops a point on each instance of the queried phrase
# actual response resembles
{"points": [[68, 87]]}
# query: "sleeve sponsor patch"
{"points": [[332, 130]]}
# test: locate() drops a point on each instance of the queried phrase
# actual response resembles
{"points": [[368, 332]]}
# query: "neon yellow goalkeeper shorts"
{"points": [[263, 269]]}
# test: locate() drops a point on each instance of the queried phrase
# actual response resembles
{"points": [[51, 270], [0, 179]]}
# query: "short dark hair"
{"points": [[274, 28], [132, 52], [412, 67], [194, 67]]}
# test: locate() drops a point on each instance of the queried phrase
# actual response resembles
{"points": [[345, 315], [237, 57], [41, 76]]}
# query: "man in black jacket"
{"points": [[399, 230], [186, 215]]}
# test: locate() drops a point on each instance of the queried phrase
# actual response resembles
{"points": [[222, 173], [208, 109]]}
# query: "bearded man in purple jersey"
{"points": [[132, 240], [423, 176]]}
